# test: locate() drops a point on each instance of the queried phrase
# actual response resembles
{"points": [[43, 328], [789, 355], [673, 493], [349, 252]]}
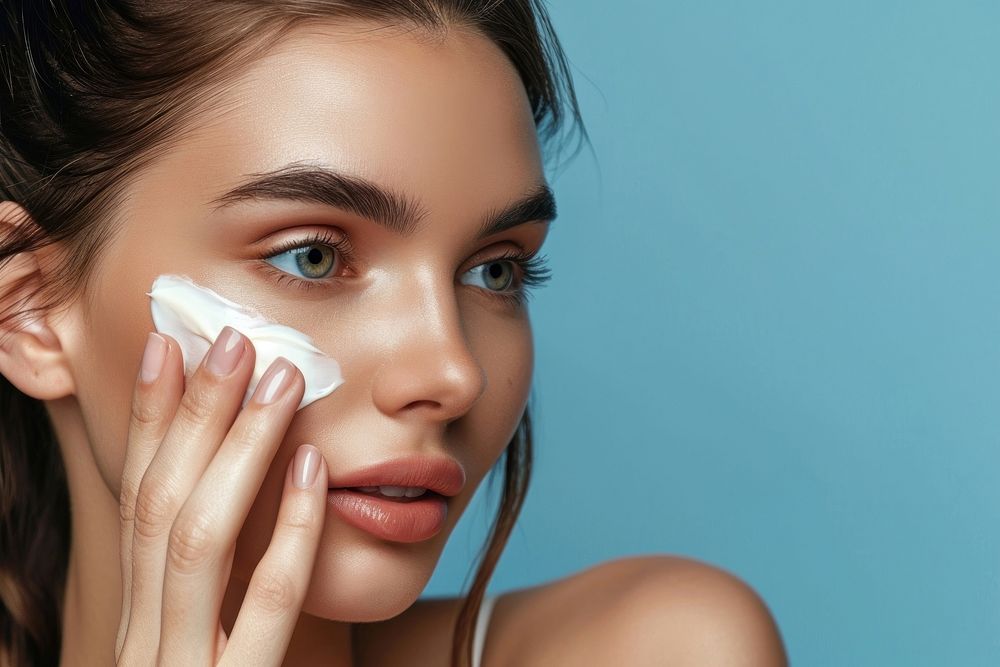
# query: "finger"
{"points": [[205, 530], [204, 414], [278, 586], [158, 387], [220, 642]]}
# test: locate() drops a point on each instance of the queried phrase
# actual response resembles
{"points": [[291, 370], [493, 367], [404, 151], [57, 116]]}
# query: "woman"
{"points": [[369, 174]]}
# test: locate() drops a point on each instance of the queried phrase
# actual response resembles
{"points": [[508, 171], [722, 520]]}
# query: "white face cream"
{"points": [[195, 316]]}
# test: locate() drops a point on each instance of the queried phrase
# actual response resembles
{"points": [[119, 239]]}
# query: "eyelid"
{"points": [[486, 255], [341, 242], [325, 236]]}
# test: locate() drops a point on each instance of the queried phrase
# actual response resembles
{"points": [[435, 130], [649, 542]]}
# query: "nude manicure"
{"points": [[225, 352], [306, 466], [277, 378], [153, 357]]}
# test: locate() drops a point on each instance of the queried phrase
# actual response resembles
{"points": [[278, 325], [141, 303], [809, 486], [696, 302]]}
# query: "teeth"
{"points": [[395, 491], [400, 491]]}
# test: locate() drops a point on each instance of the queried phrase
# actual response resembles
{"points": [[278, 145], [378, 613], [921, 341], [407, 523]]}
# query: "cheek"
{"points": [[513, 375], [507, 355], [350, 421], [107, 368]]}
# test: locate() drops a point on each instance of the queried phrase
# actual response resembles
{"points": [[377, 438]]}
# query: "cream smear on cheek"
{"points": [[195, 316]]}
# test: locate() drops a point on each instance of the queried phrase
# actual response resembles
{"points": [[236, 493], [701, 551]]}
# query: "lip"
{"points": [[405, 520], [415, 521], [444, 475]]}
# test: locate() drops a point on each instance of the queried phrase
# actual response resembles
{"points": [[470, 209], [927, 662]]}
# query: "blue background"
{"points": [[772, 336]]}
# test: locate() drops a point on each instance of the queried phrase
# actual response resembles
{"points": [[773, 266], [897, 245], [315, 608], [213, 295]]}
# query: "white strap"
{"points": [[482, 623]]}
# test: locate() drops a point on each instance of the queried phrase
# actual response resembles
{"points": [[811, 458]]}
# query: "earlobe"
{"points": [[32, 357]]}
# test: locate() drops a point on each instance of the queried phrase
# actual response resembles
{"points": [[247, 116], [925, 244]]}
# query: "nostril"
{"points": [[415, 405]]}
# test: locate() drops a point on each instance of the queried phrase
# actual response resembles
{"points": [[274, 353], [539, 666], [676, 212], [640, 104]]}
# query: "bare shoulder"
{"points": [[639, 610], [642, 610]]}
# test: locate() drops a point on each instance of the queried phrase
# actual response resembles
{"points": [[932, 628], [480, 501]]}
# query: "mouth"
{"points": [[401, 500], [397, 494], [387, 517], [410, 476]]}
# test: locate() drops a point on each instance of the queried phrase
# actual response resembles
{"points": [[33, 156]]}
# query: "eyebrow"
{"points": [[395, 211]]}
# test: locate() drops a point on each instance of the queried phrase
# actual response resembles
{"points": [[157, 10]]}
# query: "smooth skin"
{"points": [[433, 364]]}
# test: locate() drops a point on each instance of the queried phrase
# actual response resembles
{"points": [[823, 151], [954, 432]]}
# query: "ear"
{"points": [[32, 357]]}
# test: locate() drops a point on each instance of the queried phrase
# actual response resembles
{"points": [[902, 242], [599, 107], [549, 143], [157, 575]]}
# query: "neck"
{"points": [[93, 595]]}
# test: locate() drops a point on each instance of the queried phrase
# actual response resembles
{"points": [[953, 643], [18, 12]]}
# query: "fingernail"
{"points": [[152, 357], [225, 352], [277, 378], [306, 466]]}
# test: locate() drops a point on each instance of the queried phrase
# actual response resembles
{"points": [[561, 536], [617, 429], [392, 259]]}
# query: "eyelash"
{"points": [[534, 268]]}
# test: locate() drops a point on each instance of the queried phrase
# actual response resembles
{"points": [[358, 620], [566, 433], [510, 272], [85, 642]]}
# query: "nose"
{"points": [[429, 368]]}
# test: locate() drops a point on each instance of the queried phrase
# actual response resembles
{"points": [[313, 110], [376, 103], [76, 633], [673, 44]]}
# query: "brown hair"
{"points": [[91, 91]]}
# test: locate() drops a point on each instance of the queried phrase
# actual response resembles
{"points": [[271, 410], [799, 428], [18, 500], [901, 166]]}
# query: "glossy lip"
{"points": [[441, 475], [388, 519]]}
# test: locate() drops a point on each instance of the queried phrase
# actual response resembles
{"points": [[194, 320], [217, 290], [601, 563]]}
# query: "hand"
{"points": [[193, 466]]}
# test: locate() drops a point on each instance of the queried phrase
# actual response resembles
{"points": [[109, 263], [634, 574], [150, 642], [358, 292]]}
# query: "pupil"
{"points": [[313, 261], [496, 274]]}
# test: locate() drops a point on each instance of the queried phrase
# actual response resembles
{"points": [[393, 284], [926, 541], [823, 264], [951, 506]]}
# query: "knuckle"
{"points": [[300, 519], [273, 591], [191, 543], [251, 434], [145, 414], [153, 508], [195, 407], [126, 503]]}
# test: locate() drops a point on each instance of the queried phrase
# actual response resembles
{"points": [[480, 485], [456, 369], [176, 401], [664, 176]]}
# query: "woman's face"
{"points": [[437, 360]]}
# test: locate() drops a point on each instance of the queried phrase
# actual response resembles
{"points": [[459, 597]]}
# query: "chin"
{"points": [[358, 578]]}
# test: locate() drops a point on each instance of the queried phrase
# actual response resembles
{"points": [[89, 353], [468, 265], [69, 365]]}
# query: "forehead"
{"points": [[444, 118]]}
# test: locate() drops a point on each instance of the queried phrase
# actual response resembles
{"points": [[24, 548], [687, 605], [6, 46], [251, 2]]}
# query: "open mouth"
{"points": [[397, 494]]}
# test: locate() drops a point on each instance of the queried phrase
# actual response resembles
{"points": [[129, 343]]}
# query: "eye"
{"points": [[313, 261], [510, 276], [496, 275], [312, 258]]}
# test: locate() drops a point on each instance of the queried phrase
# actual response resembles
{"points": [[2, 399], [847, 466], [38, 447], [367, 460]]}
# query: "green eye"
{"points": [[313, 261], [496, 276]]}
